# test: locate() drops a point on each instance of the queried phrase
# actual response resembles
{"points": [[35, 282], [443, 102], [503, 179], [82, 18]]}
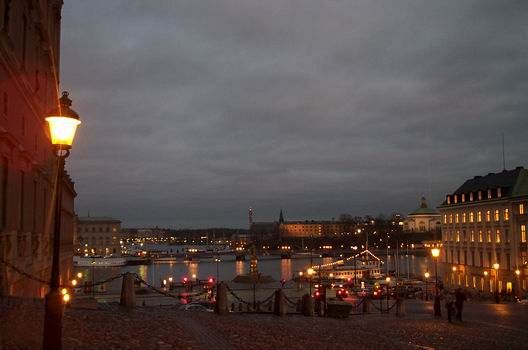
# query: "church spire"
{"points": [[281, 217]]}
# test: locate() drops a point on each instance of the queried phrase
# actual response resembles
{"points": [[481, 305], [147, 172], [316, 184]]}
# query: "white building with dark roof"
{"points": [[423, 219]]}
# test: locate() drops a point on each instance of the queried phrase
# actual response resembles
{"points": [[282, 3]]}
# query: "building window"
{"points": [[523, 233], [471, 217], [480, 236], [463, 218], [479, 195], [458, 236], [471, 196], [499, 192], [488, 236], [506, 214], [489, 194], [448, 199], [450, 218], [473, 258], [479, 216], [497, 215], [445, 218], [464, 235], [472, 236], [497, 236], [488, 215], [455, 197], [456, 218], [521, 208]]}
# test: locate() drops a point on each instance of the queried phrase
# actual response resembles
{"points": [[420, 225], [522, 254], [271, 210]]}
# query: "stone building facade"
{"points": [[97, 236], [484, 222], [423, 219], [29, 65]]}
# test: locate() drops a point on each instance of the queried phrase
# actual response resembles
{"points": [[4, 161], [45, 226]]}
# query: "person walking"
{"points": [[460, 297], [449, 303]]}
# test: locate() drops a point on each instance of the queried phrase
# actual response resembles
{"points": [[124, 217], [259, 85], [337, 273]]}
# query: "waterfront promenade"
{"points": [[486, 326]]}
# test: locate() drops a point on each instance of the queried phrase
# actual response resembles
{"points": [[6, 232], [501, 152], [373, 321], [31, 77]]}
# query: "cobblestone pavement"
{"points": [[169, 328]]}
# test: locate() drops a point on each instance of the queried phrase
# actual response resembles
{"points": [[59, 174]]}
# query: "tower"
{"points": [[250, 217]]}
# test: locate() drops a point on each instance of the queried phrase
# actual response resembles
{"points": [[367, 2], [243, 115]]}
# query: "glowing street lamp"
{"points": [[496, 268], [426, 274], [310, 272], [518, 274], [435, 252], [63, 123]]}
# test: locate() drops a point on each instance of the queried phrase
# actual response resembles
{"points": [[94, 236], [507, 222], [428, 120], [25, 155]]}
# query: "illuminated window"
{"points": [[497, 215], [480, 236], [448, 199], [506, 214], [499, 192], [489, 194], [463, 197], [479, 195], [445, 218], [458, 236], [471, 196], [497, 236], [521, 208], [471, 217], [479, 216], [450, 218], [456, 218], [523, 233], [472, 236], [464, 218], [455, 197], [488, 215], [488, 236]]}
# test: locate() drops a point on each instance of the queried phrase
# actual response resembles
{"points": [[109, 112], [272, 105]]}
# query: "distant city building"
{"points": [[484, 223], [423, 219], [311, 228], [145, 234], [97, 236], [29, 60]]}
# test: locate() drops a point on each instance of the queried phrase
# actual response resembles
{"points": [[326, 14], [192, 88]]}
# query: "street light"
{"points": [[388, 294], [62, 125], [426, 281], [496, 268], [310, 272], [435, 252], [518, 274]]}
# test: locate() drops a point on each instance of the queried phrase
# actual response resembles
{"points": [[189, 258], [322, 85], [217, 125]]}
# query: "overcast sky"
{"points": [[195, 110]]}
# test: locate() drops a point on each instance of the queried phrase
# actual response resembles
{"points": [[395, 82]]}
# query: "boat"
{"points": [[364, 265], [98, 260]]}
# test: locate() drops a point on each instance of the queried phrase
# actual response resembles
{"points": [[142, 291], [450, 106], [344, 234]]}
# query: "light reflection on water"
{"points": [[228, 268]]}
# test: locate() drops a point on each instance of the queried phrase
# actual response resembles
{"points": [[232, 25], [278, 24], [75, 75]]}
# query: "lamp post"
{"points": [[310, 272], [496, 268], [518, 274], [387, 279], [426, 281], [62, 124], [435, 252]]}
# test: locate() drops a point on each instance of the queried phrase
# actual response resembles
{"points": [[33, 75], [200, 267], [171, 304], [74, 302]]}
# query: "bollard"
{"points": [[280, 307], [400, 307], [128, 294], [308, 308], [221, 300], [365, 305]]}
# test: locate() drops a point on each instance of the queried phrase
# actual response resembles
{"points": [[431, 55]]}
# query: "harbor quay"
{"points": [[109, 326]]}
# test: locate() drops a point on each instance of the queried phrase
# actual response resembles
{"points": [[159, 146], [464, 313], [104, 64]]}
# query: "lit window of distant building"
{"points": [[523, 233], [489, 194], [497, 236], [488, 236], [445, 218], [488, 215], [458, 236], [499, 192], [448, 199], [479, 195], [521, 208], [455, 197], [463, 218], [480, 236], [471, 217], [479, 216], [497, 215], [472, 236], [463, 197], [450, 218], [471, 196], [456, 218], [506, 214]]}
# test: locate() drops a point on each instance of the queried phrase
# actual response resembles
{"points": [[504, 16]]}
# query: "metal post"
{"points": [[53, 301], [497, 296], [437, 311]]}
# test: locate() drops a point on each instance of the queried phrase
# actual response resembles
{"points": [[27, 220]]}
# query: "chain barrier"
{"points": [[236, 296], [382, 309], [268, 298], [290, 301], [46, 282]]}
